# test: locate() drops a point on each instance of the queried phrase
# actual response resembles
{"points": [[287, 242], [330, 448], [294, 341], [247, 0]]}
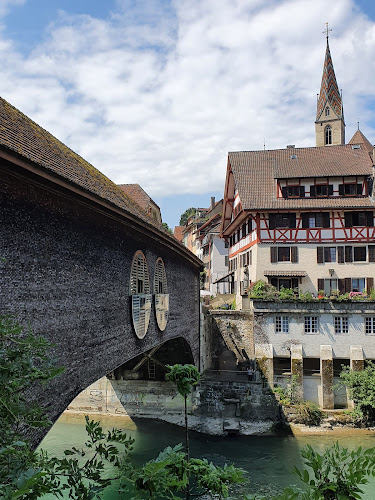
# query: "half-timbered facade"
{"points": [[303, 217]]}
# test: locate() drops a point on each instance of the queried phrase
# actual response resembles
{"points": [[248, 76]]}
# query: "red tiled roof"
{"points": [[359, 138], [22, 136], [179, 232], [138, 194], [255, 174]]}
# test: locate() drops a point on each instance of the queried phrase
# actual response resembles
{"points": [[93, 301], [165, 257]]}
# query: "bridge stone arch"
{"points": [[68, 236]]}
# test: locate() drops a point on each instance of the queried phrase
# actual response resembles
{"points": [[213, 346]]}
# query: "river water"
{"points": [[268, 461]]}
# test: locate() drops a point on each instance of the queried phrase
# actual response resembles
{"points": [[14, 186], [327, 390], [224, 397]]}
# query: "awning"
{"points": [[285, 274], [224, 278]]}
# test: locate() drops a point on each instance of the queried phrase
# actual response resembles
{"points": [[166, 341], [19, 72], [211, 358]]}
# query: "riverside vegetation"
{"points": [[82, 475]]}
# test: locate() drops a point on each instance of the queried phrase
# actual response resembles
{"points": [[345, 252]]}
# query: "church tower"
{"points": [[329, 125]]}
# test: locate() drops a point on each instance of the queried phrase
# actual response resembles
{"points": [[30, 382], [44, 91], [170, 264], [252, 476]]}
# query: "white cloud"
{"points": [[160, 99]]}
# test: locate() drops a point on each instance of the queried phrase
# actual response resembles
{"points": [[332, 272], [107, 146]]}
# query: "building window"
{"points": [[341, 324], [281, 324], [284, 254], [319, 219], [328, 135], [282, 220], [327, 111], [329, 286], [358, 284], [321, 190], [370, 325], [279, 283], [359, 254], [226, 260], [226, 244], [311, 324], [326, 254], [351, 189], [293, 191], [365, 219]]}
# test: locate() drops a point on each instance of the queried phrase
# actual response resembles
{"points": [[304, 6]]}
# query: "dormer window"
{"points": [[328, 135], [293, 191], [327, 111]]}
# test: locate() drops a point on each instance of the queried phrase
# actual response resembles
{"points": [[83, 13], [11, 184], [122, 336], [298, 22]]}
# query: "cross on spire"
{"points": [[327, 31]]}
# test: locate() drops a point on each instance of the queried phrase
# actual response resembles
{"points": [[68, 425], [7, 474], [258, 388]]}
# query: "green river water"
{"points": [[268, 461]]}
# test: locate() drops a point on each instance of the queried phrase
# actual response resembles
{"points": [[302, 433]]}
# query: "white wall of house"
{"points": [[268, 321], [218, 265]]}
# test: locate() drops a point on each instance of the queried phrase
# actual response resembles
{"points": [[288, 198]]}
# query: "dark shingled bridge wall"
{"points": [[67, 273]]}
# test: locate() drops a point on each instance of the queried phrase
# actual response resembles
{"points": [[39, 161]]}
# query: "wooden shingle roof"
{"points": [[22, 136]]}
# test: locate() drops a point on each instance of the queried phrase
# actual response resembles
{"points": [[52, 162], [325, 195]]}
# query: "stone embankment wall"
{"points": [[215, 407]]}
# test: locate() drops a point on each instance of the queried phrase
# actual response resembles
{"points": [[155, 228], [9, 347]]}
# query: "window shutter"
{"points": [[348, 285], [348, 219], [273, 254], [294, 254], [330, 189], [326, 220], [371, 253], [249, 225], [305, 220], [369, 219], [342, 286], [272, 221], [312, 191], [359, 188], [319, 255], [348, 254], [370, 285], [341, 189], [320, 284], [292, 221], [284, 192], [302, 191], [340, 255]]}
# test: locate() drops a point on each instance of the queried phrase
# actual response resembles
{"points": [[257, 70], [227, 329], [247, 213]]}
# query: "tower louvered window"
{"points": [[141, 297], [328, 135]]}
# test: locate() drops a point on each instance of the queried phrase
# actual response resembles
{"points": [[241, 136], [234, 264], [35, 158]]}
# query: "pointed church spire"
{"points": [[329, 90], [329, 110]]}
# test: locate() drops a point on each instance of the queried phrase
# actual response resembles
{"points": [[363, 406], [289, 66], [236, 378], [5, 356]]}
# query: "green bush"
{"points": [[361, 387], [288, 293]]}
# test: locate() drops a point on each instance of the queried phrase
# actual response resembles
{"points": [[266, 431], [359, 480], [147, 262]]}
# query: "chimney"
{"points": [[212, 202]]}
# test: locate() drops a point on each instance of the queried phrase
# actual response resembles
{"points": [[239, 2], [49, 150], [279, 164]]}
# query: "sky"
{"points": [[156, 92]]}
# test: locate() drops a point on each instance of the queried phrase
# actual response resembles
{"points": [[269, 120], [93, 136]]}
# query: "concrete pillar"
{"points": [[357, 364], [326, 377], [264, 357], [297, 369]]}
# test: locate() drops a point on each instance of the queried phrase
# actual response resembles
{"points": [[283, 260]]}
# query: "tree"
{"points": [[165, 225], [361, 386], [186, 215]]}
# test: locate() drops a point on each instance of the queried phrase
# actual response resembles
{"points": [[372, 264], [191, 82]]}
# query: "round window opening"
{"points": [[141, 297], [161, 295]]}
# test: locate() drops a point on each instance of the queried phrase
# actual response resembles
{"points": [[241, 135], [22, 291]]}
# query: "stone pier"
{"points": [[297, 368], [264, 357], [326, 374]]}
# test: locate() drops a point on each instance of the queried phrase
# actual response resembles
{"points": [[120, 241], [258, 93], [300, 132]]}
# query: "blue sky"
{"points": [[158, 91]]}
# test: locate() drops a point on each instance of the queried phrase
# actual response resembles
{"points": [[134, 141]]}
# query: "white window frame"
{"points": [[311, 325], [370, 325], [282, 324], [341, 325]]}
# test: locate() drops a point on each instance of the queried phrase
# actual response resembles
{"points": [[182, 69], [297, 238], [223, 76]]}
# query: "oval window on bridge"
{"points": [[161, 295], [140, 294]]}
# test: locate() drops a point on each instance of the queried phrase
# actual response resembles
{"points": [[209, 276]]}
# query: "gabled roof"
{"points": [[178, 232], [329, 91], [254, 174], [138, 194], [359, 138]]}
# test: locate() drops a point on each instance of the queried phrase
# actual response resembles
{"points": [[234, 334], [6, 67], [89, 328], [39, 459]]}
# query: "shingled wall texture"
{"points": [[67, 274]]}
